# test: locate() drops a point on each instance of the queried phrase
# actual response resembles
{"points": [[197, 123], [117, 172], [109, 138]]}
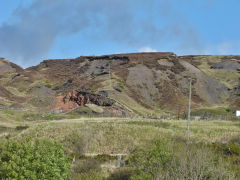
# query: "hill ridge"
{"points": [[149, 81]]}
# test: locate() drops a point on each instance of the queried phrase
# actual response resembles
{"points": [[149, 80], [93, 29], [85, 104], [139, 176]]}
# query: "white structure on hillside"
{"points": [[238, 113]]}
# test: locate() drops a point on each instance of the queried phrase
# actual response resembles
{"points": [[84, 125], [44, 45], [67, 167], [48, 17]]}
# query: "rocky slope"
{"points": [[142, 83]]}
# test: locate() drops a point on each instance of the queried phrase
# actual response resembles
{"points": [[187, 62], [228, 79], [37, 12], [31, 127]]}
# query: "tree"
{"points": [[39, 159]]}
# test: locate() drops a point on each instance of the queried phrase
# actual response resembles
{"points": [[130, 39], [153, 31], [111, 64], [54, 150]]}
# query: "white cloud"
{"points": [[147, 49]]}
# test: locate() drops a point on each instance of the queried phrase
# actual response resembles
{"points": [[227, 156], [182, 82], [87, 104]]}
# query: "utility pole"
{"points": [[238, 88], [110, 78], [189, 108]]}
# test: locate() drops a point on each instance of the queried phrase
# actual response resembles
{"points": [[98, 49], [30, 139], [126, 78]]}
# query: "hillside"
{"points": [[138, 83], [115, 117]]}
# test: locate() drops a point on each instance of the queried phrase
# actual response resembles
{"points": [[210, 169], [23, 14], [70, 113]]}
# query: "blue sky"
{"points": [[34, 30]]}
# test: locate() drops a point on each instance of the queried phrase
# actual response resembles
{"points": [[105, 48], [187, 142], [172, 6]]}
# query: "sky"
{"points": [[34, 30]]}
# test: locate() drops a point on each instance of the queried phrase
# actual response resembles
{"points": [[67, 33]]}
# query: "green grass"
{"points": [[48, 84], [227, 77], [16, 92], [41, 83], [105, 136], [96, 85], [157, 123], [122, 84], [23, 84], [213, 112], [7, 78]]}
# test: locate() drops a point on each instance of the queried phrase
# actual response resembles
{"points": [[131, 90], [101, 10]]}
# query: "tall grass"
{"points": [[203, 159]]}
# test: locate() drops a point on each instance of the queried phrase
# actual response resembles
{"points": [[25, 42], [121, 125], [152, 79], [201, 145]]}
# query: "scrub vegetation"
{"points": [[149, 149], [83, 119]]}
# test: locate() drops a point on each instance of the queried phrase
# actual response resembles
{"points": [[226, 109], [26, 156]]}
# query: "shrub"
{"points": [[121, 85], [39, 159], [231, 153], [228, 109], [96, 85], [18, 128], [196, 161], [48, 84], [185, 161], [234, 149], [147, 162]]}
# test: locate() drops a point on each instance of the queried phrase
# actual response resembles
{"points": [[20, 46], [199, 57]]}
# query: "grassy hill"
{"points": [[142, 83], [97, 115]]}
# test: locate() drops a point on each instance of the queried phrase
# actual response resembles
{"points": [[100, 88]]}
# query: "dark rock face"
{"points": [[82, 98], [229, 65], [151, 79], [93, 58]]}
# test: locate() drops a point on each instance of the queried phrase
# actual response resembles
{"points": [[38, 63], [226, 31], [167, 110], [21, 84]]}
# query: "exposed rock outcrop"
{"points": [[82, 98], [142, 80], [79, 98], [229, 65]]}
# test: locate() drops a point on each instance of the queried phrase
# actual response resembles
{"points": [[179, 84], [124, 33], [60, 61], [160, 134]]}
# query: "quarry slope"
{"points": [[122, 84]]}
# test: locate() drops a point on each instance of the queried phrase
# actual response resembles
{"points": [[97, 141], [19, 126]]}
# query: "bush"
{"points": [[228, 109], [147, 162], [19, 128], [184, 161], [39, 159], [48, 84], [196, 161], [231, 153]]}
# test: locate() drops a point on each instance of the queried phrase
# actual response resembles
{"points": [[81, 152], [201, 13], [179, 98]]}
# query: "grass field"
{"points": [[104, 137], [118, 135]]}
